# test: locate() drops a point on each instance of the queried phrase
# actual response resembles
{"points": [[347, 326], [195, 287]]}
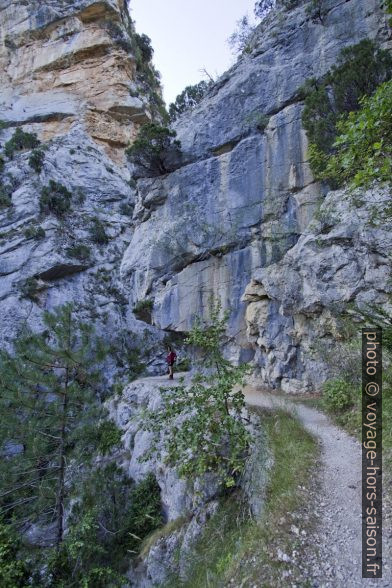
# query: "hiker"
{"points": [[171, 358]]}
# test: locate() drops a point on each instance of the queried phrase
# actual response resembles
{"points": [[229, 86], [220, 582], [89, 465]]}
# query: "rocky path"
{"points": [[338, 506]]}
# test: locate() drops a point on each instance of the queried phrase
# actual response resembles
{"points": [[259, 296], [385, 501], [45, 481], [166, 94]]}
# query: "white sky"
{"points": [[187, 36]]}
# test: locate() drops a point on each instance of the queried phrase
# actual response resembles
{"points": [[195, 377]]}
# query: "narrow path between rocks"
{"points": [[338, 507]]}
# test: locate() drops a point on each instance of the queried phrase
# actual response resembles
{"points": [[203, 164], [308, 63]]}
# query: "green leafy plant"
{"points": [[55, 199], [188, 99], [143, 310], [33, 232], [2, 164], [14, 572], [363, 148], [80, 251], [240, 39], [337, 395], [48, 407], [98, 233], [5, 197], [360, 70], [150, 147], [20, 140], [36, 160], [30, 288], [107, 527], [203, 427]]}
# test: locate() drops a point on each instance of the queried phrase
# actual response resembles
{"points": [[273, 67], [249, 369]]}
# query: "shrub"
{"points": [[80, 251], [239, 40], [34, 233], [13, 571], [20, 140], [188, 99], [143, 310], [360, 70], [263, 8], [30, 289], [5, 198], [109, 436], [143, 43], [148, 150], [202, 427], [337, 395], [184, 364], [98, 233], [2, 164], [55, 199], [364, 145], [126, 209], [36, 160]]}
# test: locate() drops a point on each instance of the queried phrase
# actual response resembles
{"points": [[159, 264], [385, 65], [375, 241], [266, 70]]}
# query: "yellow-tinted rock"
{"points": [[61, 66]]}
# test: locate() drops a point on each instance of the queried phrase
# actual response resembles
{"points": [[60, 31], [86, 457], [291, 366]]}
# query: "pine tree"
{"points": [[50, 411]]}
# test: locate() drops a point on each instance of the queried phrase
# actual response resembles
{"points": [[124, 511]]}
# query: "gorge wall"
{"points": [[234, 220]]}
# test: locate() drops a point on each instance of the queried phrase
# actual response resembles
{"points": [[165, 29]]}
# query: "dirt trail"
{"points": [[338, 507]]}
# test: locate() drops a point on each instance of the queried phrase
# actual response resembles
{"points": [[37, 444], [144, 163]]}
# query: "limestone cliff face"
{"points": [[245, 193], [65, 62], [236, 211]]}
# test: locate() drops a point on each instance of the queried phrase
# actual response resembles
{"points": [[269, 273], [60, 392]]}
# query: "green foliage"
{"points": [[150, 147], [13, 571], [2, 164], [363, 148], [108, 525], [184, 364], [143, 43], [109, 437], [5, 197], [36, 160], [213, 436], [55, 199], [360, 70], [263, 8], [317, 10], [34, 232], [48, 406], [80, 251], [239, 40], [98, 233], [126, 209], [30, 288], [188, 99], [337, 395], [20, 140], [143, 310]]}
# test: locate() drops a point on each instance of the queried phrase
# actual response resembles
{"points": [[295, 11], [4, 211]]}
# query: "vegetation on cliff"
{"points": [[203, 427], [359, 72], [58, 480]]}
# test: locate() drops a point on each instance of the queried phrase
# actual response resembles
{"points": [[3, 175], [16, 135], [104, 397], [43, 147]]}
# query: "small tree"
{"points": [[150, 147], [55, 199], [48, 426], [188, 99], [202, 427], [264, 7], [240, 38]]}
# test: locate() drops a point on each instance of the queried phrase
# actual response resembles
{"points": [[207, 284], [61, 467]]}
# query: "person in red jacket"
{"points": [[171, 358]]}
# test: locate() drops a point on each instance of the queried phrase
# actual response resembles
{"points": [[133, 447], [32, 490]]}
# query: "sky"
{"points": [[187, 36]]}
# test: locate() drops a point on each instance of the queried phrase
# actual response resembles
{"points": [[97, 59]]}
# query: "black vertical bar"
{"points": [[372, 453]]}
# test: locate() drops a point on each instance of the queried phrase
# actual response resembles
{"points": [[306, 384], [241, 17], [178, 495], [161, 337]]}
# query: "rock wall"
{"points": [[239, 201], [65, 62], [244, 194]]}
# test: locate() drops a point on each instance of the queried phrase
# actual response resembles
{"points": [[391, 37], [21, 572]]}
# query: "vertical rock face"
{"points": [[65, 62], [245, 193], [234, 213]]}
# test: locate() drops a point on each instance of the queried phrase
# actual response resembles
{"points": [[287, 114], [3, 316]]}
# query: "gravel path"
{"points": [[337, 507]]}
